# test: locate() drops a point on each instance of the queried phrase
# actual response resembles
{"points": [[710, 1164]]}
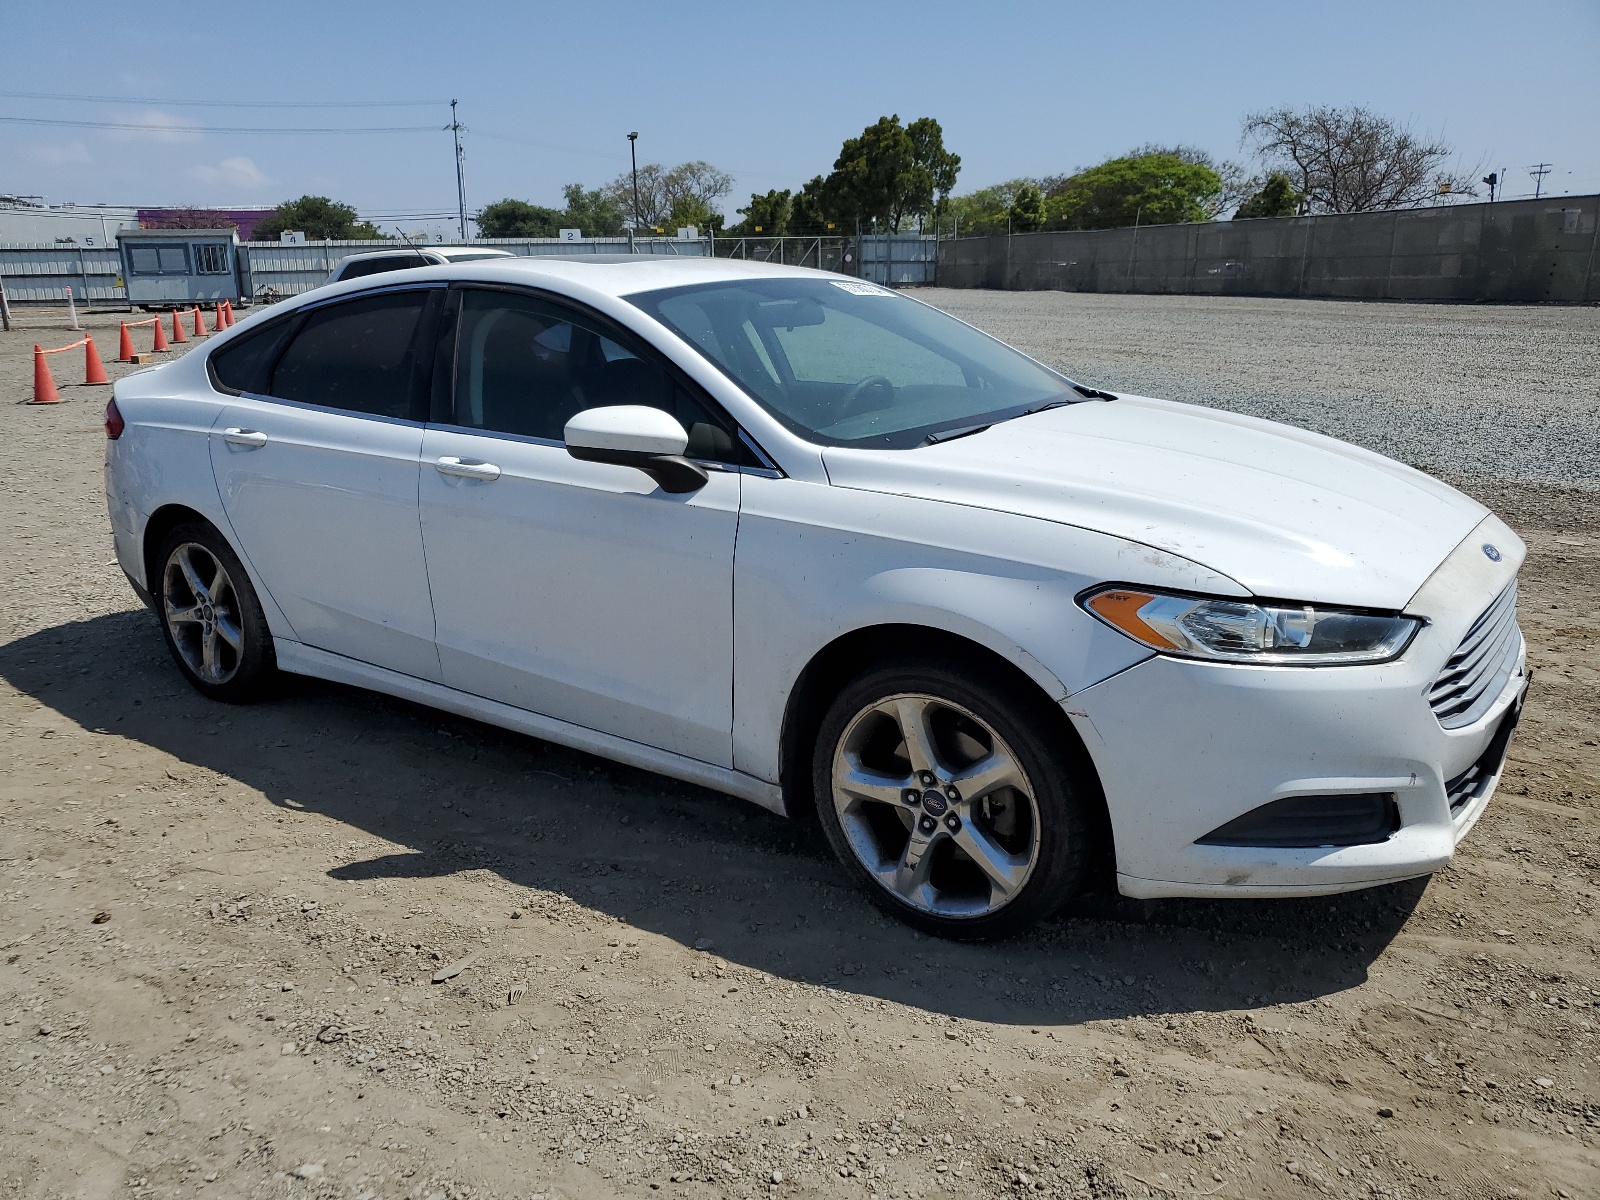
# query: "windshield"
{"points": [[845, 362]]}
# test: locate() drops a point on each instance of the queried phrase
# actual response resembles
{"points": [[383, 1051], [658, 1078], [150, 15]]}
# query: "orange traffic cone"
{"points": [[178, 335], [125, 348], [94, 371], [227, 311], [199, 325], [216, 320], [161, 338], [44, 388]]}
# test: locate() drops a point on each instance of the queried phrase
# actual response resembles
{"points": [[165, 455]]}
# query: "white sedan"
{"points": [[808, 541]]}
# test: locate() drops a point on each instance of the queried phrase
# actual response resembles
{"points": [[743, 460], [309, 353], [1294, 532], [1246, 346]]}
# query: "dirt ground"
{"points": [[220, 927]]}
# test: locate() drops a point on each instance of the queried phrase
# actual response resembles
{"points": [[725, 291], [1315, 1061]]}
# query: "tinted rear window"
{"points": [[243, 363], [376, 266], [360, 355]]}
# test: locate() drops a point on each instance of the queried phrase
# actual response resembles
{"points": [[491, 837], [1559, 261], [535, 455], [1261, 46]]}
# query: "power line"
{"points": [[155, 127], [225, 103]]}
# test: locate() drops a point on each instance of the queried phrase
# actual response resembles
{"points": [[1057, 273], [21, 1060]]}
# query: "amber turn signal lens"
{"points": [[1120, 609]]}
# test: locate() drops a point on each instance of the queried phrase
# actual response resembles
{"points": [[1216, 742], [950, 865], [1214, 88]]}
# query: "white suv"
{"points": [[358, 265]]}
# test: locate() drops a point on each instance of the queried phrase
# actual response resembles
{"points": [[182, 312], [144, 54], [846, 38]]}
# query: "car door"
{"points": [[578, 590], [316, 460]]}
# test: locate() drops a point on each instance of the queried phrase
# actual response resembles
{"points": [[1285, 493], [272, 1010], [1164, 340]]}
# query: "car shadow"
{"points": [[681, 861]]}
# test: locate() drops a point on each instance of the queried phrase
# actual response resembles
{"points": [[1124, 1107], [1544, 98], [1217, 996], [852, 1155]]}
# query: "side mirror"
{"points": [[636, 435]]}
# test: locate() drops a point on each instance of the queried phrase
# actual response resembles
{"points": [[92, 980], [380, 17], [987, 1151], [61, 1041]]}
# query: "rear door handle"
{"points": [[467, 469], [252, 438]]}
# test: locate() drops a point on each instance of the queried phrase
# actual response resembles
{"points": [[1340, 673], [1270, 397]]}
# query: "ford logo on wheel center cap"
{"points": [[933, 802], [1491, 552]]}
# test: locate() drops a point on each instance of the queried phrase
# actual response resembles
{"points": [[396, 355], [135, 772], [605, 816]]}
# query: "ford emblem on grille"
{"points": [[1491, 552]]}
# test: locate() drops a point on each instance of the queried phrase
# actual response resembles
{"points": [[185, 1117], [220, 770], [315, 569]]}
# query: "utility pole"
{"points": [[1538, 171], [461, 183], [633, 154]]}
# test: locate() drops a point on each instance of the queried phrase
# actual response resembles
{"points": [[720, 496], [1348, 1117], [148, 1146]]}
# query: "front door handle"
{"points": [[253, 438], [467, 469]]}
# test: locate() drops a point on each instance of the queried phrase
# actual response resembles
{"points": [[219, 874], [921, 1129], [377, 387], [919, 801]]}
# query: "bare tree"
{"points": [[1351, 159], [666, 190]]}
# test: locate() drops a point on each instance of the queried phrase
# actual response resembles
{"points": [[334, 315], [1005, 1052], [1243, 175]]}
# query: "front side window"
{"points": [[844, 362], [526, 366], [359, 355]]}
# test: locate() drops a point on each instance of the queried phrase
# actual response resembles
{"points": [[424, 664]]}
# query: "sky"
{"points": [[549, 92]]}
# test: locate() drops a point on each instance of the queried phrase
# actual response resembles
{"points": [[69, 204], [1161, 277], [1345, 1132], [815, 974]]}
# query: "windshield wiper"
{"points": [[1092, 393], [1045, 407], [949, 435]]}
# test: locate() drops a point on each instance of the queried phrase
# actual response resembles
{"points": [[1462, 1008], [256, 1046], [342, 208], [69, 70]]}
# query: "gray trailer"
{"points": [[174, 268]]}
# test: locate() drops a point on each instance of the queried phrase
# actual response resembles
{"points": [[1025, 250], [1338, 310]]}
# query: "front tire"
{"points": [[952, 799], [210, 617]]}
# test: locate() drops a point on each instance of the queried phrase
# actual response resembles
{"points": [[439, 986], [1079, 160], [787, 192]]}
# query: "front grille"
{"points": [[1473, 678], [1474, 781]]}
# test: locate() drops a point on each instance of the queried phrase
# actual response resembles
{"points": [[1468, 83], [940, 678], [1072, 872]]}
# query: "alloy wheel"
{"points": [[935, 805], [201, 609]]}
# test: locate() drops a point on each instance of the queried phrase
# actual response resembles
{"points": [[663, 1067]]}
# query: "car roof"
{"points": [[624, 274], [453, 251], [445, 252]]}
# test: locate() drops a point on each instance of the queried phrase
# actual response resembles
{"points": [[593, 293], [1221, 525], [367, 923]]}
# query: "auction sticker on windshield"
{"points": [[856, 288]]}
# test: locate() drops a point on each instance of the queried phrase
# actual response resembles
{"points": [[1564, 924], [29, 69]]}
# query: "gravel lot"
{"points": [[219, 927], [1474, 392]]}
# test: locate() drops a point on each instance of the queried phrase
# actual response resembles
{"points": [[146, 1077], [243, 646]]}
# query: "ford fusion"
{"points": [[811, 542]]}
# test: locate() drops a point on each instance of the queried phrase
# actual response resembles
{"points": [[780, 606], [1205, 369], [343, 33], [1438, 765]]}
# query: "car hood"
{"points": [[1288, 514]]}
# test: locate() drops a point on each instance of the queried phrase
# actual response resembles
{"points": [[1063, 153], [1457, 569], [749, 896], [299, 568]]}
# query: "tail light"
{"points": [[114, 422]]}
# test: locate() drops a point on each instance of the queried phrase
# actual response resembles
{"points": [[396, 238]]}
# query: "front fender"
{"points": [[814, 563]]}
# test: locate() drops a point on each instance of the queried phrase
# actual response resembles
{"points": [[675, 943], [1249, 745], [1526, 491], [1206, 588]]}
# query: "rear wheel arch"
{"points": [[162, 522], [832, 668]]}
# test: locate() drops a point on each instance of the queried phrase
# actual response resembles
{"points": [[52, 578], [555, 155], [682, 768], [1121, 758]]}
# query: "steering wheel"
{"points": [[850, 404]]}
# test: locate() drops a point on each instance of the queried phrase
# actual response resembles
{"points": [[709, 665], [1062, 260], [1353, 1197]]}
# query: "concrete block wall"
{"points": [[1531, 251]]}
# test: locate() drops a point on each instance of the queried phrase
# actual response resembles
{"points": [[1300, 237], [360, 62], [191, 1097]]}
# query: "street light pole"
{"points": [[633, 154]]}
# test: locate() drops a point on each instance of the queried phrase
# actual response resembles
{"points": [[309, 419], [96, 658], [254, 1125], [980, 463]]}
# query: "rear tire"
{"points": [[211, 618], [978, 825]]}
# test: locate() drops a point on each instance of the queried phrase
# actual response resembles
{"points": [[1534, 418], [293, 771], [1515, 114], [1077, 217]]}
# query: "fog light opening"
{"points": [[1312, 822]]}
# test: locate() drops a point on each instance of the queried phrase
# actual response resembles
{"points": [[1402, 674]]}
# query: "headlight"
{"points": [[1242, 632]]}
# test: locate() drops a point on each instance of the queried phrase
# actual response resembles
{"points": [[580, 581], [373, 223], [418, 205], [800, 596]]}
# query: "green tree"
{"points": [[766, 215], [817, 208], [893, 172], [1151, 189], [591, 211], [317, 217], [517, 218], [689, 210], [1236, 181], [1027, 211], [1276, 198], [985, 211]]}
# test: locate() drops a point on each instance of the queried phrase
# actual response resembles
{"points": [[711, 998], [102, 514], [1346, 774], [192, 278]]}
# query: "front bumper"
{"points": [[1183, 747]]}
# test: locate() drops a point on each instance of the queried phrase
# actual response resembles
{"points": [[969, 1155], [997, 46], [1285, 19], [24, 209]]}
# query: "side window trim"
{"points": [[365, 293], [441, 394], [628, 340]]}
